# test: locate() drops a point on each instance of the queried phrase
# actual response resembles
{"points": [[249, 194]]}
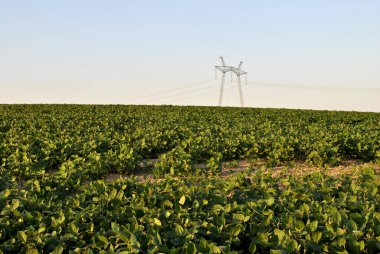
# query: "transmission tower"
{"points": [[234, 70]]}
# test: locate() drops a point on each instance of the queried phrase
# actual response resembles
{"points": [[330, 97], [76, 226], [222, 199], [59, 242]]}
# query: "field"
{"points": [[165, 179]]}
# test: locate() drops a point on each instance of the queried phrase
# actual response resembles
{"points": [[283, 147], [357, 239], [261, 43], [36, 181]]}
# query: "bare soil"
{"points": [[235, 167]]}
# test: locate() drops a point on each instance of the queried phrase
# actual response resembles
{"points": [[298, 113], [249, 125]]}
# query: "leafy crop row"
{"points": [[38, 139], [246, 214], [51, 156]]}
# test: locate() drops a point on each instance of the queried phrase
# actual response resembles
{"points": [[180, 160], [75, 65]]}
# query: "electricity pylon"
{"points": [[237, 71]]}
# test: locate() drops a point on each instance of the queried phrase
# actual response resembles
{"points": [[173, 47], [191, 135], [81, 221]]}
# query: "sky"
{"points": [[315, 54]]}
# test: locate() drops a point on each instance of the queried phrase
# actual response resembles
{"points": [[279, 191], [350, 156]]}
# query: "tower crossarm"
{"points": [[224, 68], [238, 71]]}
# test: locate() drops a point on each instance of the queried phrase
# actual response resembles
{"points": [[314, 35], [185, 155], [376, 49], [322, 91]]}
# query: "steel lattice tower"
{"points": [[234, 70]]}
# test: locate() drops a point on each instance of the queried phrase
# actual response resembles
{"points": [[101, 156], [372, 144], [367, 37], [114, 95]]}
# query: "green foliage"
{"points": [[196, 214], [79, 141], [51, 154]]}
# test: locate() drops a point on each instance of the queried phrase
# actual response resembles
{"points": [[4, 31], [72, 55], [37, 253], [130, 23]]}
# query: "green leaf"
{"points": [[252, 247], [262, 238], [41, 228], [277, 252], [179, 230], [235, 231], [329, 228], [216, 208], [341, 242], [203, 246], [167, 203], [190, 248], [292, 245], [136, 243], [354, 188], [354, 246], [351, 225], [4, 194], [270, 201], [157, 222], [340, 231], [31, 251], [182, 200], [313, 226], [372, 190], [115, 228], [58, 250], [227, 208], [123, 236], [22, 236], [299, 225], [337, 217], [238, 217], [120, 194], [316, 236], [89, 251], [15, 204], [74, 228], [103, 238], [361, 245], [280, 235], [214, 249], [91, 227]]}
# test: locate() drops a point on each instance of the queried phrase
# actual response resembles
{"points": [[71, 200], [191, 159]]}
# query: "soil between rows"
{"points": [[233, 168]]}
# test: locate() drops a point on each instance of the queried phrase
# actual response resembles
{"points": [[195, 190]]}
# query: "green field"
{"points": [[55, 195]]}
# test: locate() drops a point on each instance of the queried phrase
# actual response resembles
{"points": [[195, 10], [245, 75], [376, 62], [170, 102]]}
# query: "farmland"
{"points": [[54, 159]]}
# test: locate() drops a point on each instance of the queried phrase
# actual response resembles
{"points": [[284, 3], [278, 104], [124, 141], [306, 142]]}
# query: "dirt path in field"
{"points": [[302, 168], [232, 168]]}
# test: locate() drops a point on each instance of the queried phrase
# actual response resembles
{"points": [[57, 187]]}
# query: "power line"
{"points": [[311, 87], [202, 94], [193, 96], [179, 94], [173, 97], [171, 90]]}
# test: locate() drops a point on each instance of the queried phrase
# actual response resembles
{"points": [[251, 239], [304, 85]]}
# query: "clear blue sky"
{"points": [[319, 54]]}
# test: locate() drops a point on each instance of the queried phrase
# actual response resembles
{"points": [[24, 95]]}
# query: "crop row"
{"points": [[38, 139], [244, 214], [51, 154]]}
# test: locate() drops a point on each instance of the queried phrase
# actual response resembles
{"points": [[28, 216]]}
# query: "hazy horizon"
{"points": [[321, 54]]}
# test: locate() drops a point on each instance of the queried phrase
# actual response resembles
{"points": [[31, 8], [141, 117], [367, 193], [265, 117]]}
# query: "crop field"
{"points": [[57, 196]]}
